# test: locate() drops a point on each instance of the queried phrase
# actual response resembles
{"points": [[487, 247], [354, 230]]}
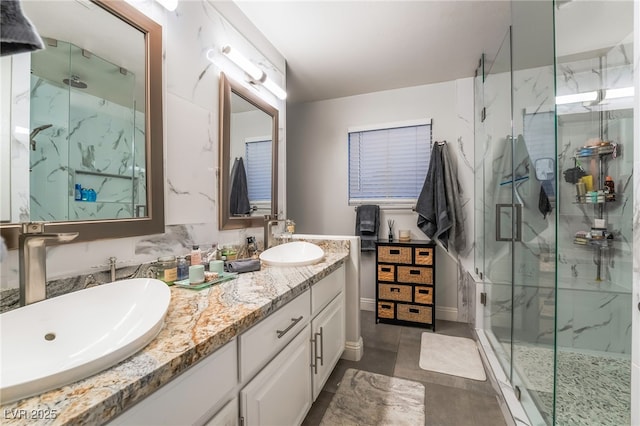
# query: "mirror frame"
{"points": [[153, 222], [225, 221]]}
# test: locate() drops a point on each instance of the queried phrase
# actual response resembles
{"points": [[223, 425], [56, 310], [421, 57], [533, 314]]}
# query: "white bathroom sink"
{"points": [[296, 253], [61, 340]]}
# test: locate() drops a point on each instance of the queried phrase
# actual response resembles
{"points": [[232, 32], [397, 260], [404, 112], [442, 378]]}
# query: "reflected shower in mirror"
{"points": [[248, 147], [85, 113]]}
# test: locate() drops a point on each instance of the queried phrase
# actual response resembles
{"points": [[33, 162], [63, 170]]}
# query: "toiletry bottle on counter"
{"points": [[196, 255], [183, 268], [78, 192]]}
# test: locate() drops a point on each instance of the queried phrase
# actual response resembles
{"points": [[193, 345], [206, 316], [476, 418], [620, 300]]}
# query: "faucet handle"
{"points": [[33, 227]]}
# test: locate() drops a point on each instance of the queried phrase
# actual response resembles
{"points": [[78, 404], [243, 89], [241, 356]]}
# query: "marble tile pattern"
{"points": [[197, 323], [365, 398], [91, 143]]}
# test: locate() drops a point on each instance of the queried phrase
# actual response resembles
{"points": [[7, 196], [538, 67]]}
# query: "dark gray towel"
{"points": [[17, 34], [367, 224], [239, 196], [243, 265], [433, 215]]}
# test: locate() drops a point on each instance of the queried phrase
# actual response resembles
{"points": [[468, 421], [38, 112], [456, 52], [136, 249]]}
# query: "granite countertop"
{"points": [[197, 323]]}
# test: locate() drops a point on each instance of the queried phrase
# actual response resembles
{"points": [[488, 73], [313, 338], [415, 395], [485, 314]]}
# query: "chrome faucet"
{"points": [[33, 262], [269, 222]]}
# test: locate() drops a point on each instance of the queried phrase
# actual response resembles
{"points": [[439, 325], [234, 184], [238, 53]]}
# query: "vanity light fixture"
{"points": [[577, 97], [170, 5], [253, 71], [625, 92]]}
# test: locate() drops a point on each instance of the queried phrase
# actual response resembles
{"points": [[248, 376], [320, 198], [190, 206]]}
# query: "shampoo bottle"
{"points": [[196, 255]]}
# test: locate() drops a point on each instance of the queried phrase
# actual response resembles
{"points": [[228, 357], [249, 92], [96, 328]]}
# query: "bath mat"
{"points": [[456, 356], [365, 398]]}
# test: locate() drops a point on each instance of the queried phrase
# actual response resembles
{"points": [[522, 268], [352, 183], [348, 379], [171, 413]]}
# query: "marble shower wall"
{"points": [[191, 144], [591, 315], [69, 152]]}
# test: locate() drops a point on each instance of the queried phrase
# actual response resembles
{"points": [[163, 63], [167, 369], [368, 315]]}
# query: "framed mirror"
{"points": [[248, 173], [82, 146]]}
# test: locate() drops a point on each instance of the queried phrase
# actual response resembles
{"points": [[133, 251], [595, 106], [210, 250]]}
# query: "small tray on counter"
{"points": [[224, 276]]}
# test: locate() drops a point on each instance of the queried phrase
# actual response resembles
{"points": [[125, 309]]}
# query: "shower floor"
{"points": [[592, 389]]}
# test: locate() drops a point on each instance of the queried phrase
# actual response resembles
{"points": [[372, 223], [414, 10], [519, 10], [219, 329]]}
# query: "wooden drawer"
{"points": [[394, 292], [392, 254], [386, 310], [415, 274], [386, 273], [424, 256], [423, 295], [414, 313]]}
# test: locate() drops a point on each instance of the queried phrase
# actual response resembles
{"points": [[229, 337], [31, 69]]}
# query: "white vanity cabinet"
{"points": [[328, 337], [269, 375], [281, 393], [192, 397]]}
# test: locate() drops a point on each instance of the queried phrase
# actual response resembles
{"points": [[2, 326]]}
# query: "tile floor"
{"points": [[394, 351]]}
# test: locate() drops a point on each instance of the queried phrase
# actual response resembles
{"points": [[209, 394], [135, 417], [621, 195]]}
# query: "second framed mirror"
{"points": [[248, 180]]}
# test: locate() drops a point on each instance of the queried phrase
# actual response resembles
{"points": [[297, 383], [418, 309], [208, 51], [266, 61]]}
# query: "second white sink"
{"points": [[61, 340], [296, 253]]}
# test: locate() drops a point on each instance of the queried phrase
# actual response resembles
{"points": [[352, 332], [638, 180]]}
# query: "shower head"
{"points": [[34, 132], [75, 81]]}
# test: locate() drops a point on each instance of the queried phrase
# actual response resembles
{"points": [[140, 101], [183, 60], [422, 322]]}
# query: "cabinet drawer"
{"points": [[394, 292], [394, 254], [326, 289], [424, 256], [386, 310], [264, 340], [423, 295], [414, 313], [415, 274], [386, 273]]}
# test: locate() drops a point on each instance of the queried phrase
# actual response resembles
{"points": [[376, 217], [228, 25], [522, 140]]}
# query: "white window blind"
{"points": [[388, 165], [258, 159]]}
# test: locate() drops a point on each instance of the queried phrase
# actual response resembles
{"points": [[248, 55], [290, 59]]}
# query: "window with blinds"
{"points": [[388, 166], [258, 159]]}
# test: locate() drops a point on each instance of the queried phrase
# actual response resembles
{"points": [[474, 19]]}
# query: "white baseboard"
{"points": [[353, 351], [442, 312], [367, 304], [446, 313]]}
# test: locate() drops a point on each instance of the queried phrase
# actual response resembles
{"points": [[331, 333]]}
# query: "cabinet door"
{"points": [[328, 338], [227, 416], [281, 393]]}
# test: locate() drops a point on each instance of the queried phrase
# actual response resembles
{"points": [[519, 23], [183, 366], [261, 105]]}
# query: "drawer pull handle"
{"points": [[293, 323], [395, 289], [394, 251], [414, 311], [424, 253], [317, 358], [385, 269], [414, 272], [423, 291], [385, 306]]}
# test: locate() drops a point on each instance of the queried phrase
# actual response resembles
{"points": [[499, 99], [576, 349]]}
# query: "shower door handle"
{"points": [[509, 208]]}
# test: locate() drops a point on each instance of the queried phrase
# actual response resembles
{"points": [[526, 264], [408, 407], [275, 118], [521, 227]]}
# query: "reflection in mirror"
{"points": [[85, 113], [248, 154]]}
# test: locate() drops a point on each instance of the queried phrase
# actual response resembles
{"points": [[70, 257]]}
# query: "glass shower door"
{"points": [[497, 203], [535, 171]]}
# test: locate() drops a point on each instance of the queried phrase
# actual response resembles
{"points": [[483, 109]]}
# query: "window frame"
{"points": [[386, 202]]}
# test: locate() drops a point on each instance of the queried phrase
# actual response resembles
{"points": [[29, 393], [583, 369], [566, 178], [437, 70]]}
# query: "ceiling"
{"points": [[343, 48]]}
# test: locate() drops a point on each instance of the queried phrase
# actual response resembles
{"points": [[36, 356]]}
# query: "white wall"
{"points": [[190, 139], [317, 168]]}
